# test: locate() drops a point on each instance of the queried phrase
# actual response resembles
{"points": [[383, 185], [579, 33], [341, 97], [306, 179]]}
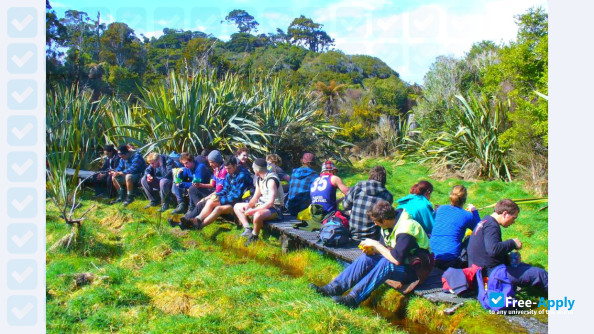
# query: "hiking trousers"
{"points": [[526, 275], [161, 184], [366, 274]]}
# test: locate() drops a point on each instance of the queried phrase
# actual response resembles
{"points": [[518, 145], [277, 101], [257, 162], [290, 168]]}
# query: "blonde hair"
{"points": [[275, 159], [154, 156], [458, 196]]}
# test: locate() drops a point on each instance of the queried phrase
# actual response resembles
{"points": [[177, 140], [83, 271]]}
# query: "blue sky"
{"points": [[408, 35]]}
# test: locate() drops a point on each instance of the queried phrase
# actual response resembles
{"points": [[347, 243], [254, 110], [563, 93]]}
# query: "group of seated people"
{"points": [[401, 244]]}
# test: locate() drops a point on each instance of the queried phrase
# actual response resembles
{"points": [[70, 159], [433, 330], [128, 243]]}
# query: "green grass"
{"points": [[151, 278]]}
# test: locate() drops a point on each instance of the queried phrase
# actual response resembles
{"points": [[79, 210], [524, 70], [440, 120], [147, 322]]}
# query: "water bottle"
{"points": [[514, 259]]}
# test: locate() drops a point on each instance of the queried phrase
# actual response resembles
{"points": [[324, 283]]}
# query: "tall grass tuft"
{"points": [[476, 139]]}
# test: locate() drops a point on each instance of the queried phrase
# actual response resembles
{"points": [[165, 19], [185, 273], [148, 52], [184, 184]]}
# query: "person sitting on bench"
{"points": [[158, 175], [194, 180], [299, 197], [127, 174], [449, 228], [102, 180], [323, 188], [387, 259], [237, 181], [266, 204], [487, 250]]}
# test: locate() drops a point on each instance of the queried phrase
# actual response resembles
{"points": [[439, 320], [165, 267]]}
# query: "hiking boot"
{"points": [[151, 204], [172, 223], [322, 290], [181, 208], [191, 223], [247, 232], [251, 239], [348, 301], [121, 197], [128, 200], [164, 207]]}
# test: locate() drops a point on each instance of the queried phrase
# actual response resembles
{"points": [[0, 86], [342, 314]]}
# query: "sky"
{"points": [[406, 34]]}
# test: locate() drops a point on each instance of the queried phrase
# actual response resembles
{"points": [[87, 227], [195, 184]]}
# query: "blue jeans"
{"points": [[179, 192], [366, 274]]}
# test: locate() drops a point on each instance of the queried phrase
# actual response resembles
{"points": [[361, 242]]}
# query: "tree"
{"points": [[244, 21], [304, 31], [330, 95]]}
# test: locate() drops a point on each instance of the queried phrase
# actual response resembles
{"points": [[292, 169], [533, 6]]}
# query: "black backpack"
{"points": [[334, 234]]}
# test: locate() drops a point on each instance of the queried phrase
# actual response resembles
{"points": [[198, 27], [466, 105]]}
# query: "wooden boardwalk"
{"points": [[293, 238]]}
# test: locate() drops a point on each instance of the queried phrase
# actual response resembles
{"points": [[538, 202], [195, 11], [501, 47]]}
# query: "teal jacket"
{"points": [[420, 209]]}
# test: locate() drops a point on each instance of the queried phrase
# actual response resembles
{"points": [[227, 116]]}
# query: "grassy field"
{"points": [[151, 278]]}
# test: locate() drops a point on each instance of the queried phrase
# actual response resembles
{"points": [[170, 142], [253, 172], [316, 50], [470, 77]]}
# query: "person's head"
{"points": [[458, 196], [329, 167], [215, 159], [109, 151], [506, 212], [378, 173], [123, 151], [231, 165], [242, 154], [153, 159], [205, 152], [131, 146], [382, 214], [259, 166], [274, 159], [423, 188], [187, 160], [308, 159]]}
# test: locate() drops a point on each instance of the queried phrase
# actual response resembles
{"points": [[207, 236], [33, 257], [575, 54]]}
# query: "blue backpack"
{"points": [[333, 233], [499, 289]]}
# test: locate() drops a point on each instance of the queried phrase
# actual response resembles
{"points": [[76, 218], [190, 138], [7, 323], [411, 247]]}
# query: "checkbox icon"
{"points": [[22, 58], [496, 299], [22, 22], [22, 203], [22, 166], [21, 238], [21, 130], [22, 274], [22, 310], [22, 94], [425, 24]]}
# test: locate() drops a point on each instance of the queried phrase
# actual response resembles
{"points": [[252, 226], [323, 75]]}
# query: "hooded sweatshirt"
{"points": [[360, 199], [299, 185], [420, 209]]}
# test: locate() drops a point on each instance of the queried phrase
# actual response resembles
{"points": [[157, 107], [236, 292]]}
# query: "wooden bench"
{"points": [[292, 238]]}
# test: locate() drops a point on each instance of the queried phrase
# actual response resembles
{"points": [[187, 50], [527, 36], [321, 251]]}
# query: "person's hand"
{"points": [[112, 173], [368, 246], [518, 243], [471, 208], [196, 185], [149, 178], [250, 212]]}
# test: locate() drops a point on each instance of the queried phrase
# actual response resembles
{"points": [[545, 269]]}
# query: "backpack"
{"points": [[333, 233], [339, 217], [499, 283]]}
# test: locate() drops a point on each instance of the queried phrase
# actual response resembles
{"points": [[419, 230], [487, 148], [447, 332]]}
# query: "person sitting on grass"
{"points": [[127, 174], [382, 260], [242, 156], [323, 188], [299, 197], [274, 162], [451, 223], [266, 204], [361, 198], [418, 206], [237, 181], [487, 250], [193, 179], [102, 180], [158, 175]]}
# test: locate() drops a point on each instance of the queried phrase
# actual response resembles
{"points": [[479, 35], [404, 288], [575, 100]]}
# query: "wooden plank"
{"points": [[83, 174]]}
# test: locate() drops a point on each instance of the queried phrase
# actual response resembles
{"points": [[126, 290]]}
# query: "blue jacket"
{"points": [[448, 232], [420, 209], [199, 174], [133, 165], [234, 186], [164, 171]]}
